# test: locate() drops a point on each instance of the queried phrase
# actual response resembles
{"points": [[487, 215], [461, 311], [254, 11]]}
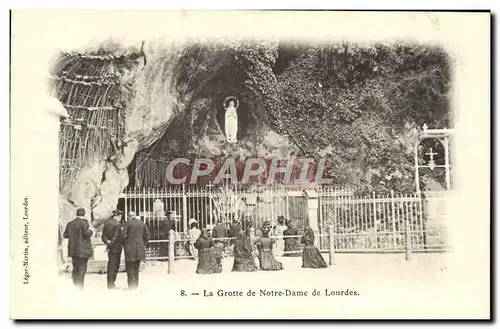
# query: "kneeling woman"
{"points": [[311, 257], [244, 260], [266, 257], [207, 264]]}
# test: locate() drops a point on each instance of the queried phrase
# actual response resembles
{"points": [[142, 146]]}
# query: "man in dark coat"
{"points": [[135, 236], [165, 227], [78, 233], [112, 237]]}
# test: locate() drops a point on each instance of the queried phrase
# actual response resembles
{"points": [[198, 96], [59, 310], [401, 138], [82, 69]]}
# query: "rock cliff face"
{"points": [[148, 101], [171, 98]]}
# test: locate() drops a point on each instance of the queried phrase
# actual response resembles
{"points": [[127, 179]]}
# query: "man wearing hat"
{"points": [[135, 237], [78, 233], [111, 236]]}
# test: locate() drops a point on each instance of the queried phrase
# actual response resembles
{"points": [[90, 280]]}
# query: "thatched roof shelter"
{"points": [[94, 89]]}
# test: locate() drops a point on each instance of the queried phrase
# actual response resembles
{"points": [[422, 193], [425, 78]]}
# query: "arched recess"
{"points": [[432, 151]]}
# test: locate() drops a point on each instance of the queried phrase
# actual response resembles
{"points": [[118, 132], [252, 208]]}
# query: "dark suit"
{"points": [[111, 236], [80, 249], [135, 236], [165, 227]]}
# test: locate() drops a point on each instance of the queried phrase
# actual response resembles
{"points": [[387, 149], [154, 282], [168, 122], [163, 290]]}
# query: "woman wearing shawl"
{"points": [[243, 257], [207, 263], [266, 257], [311, 257], [291, 240]]}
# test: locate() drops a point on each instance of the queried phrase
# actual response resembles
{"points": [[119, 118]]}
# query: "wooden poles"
{"points": [[88, 87]]}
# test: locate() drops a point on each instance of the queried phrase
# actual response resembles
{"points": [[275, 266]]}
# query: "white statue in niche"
{"points": [[231, 118]]}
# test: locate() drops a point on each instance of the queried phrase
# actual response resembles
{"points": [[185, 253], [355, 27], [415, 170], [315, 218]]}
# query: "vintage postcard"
{"points": [[250, 165]]}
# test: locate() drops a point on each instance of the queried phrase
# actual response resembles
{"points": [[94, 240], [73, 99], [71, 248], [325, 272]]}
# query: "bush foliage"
{"points": [[359, 105]]}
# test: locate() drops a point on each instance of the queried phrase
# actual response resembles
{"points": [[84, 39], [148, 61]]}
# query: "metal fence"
{"points": [[208, 204], [361, 223], [378, 222]]}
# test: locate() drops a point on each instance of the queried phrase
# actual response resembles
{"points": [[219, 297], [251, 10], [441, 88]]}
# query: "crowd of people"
{"points": [[132, 238], [206, 245]]}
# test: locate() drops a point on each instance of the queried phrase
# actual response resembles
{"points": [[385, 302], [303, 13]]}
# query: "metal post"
{"points": [[447, 162], [184, 210], [420, 215], [272, 204], [407, 238], [210, 200], [287, 207], [393, 214], [171, 251], [126, 208], [143, 205], [417, 178], [321, 225], [332, 244]]}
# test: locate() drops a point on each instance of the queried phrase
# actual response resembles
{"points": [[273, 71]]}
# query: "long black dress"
{"points": [[233, 232], [311, 257], [207, 264], [291, 243], [266, 258], [244, 260]]}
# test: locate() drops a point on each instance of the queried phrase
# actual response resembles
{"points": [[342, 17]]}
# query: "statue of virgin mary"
{"points": [[231, 118]]}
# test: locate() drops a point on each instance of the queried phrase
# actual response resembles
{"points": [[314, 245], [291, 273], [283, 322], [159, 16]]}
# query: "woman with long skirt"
{"points": [[244, 260], [207, 264], [266, 257], [291, 240], [311, 257]]}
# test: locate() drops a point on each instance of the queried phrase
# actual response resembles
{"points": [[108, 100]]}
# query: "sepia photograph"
{"points": [[238, 170]]}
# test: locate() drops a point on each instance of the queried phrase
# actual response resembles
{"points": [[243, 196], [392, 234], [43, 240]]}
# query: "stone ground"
{"points": [[387, 286], [347, 268]]}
